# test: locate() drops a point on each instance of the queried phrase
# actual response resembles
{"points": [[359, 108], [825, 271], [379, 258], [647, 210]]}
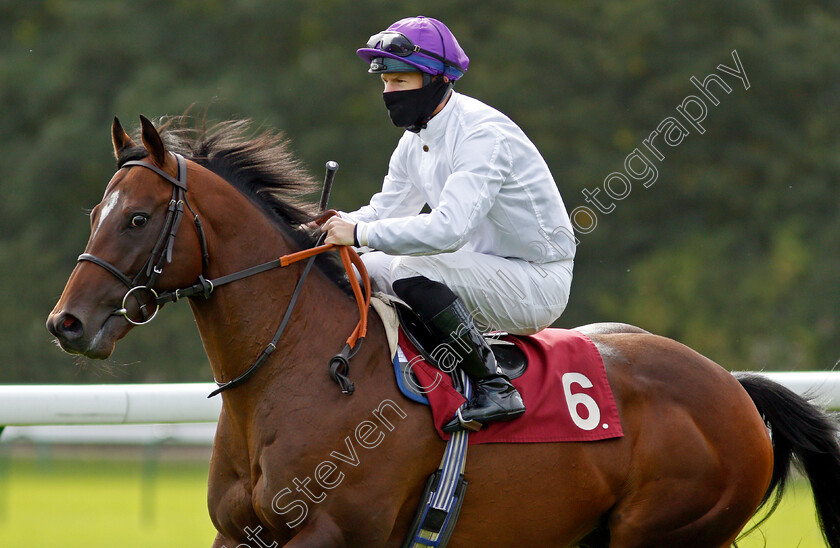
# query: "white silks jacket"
{"points": [[489, 190]]}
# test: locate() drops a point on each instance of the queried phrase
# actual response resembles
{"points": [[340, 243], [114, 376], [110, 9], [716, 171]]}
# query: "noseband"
{"points": [[162, 254]]}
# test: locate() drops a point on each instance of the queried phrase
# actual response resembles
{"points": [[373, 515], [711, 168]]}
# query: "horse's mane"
{"points": [[260, 166]]}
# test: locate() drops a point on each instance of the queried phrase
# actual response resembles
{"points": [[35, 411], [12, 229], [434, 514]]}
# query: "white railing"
{"points": [[164, 406], [22, 405], [822, 386], [121, 414]]}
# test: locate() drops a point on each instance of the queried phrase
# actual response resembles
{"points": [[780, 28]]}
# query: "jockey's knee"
{"points": [[427, 297], [378, 266]]}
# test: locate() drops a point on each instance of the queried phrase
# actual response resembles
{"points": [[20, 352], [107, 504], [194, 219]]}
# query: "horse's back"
{"points": [[608, 328]]}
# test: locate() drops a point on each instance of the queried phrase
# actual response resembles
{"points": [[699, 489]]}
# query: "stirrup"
{"points": [[471, 425]]}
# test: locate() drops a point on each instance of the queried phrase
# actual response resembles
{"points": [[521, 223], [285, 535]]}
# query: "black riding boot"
{"points": [[494, 398]]}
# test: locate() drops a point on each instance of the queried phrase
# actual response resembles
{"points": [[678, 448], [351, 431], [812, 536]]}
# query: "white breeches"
{"points": [[502, 294]]}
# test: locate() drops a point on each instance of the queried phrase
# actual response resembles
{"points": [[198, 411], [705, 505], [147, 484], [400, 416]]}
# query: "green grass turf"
{"points": [[792, 525], [101, 503]]}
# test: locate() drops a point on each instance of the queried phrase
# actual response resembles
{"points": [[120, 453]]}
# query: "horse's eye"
{"points": [[138, 220]]}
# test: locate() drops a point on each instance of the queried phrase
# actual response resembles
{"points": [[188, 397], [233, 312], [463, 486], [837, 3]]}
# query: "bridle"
{"points": [[162, 251], [161, 254]]}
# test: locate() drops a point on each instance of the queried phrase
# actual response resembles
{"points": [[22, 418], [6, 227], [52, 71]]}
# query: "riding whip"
{"points": [[329, 176]]}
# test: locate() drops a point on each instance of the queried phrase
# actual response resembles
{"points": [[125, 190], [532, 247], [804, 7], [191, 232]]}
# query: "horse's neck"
{"points": [[239, 319]]}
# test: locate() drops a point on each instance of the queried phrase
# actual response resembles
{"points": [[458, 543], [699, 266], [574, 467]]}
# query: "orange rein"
{"points": [[339, 365], [349, 258]]}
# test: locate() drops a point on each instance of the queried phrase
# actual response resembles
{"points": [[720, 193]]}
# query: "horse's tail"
{"points": [[802, 431]]}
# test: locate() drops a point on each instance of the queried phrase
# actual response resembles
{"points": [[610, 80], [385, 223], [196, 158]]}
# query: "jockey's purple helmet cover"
{"points": [[429, 34]]}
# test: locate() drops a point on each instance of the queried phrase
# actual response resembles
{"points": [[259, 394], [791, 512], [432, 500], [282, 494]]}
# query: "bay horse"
{"points": [[702, 449]]}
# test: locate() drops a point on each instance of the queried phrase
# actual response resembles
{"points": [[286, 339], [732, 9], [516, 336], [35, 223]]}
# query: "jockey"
{"points": [[497, 243]]}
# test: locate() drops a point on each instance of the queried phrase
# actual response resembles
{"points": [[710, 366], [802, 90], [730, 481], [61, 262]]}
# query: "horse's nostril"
{"points": [[67, 327]]}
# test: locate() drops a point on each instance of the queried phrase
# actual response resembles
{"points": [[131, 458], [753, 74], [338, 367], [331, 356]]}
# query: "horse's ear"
{"points": [[152, 141], [120, 138]]}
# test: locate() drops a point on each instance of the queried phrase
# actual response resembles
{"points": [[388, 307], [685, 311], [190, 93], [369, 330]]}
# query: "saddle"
{"points": [[565, 372], [509, 358]]}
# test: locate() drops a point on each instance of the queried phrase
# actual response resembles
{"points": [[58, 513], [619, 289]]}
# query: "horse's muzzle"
{"points": [[75, 337], [69, 330]]}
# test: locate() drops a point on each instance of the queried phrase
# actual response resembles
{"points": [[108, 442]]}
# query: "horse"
{"points": [[297, 463]]}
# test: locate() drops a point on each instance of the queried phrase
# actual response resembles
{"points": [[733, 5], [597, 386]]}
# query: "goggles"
{"points": [[399, 44]]}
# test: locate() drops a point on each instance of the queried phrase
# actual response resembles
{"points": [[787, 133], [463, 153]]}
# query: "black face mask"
{"points": [[412, 108]]}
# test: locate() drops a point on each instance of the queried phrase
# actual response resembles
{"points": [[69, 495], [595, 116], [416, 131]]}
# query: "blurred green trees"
{"points": [[733, 250]]}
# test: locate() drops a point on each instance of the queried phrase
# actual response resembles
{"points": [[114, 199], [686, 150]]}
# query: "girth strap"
{"points": [[445, 490]]}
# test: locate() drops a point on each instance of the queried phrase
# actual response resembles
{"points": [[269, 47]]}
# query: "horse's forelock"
{"points": [[131, 154]]}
